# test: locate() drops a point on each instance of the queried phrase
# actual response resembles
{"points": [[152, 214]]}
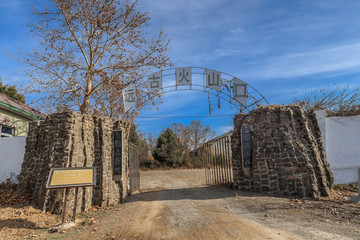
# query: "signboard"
{"points": [[129, 96], [183, 76], [213, 79], [117, 144], [154, 82], [240, 91], [246, 145], [71, 177]]}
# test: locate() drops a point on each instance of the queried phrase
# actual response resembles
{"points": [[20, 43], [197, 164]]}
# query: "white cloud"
{"points": [[262, 40], [327, 59]]}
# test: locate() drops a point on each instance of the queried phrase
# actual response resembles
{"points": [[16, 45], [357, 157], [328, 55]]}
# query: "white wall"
{"points": [[12, 151], [342, 145], [321, 117]]}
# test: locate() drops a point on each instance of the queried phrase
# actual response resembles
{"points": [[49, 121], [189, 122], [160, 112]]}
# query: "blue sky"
{"points": [[282, 48]]}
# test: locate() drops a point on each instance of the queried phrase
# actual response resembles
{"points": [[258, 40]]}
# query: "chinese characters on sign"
{"points": [[154, 82], [240, 91], [117, 144], [129, 96], [183, 76], [246, 145], [213, 79]]}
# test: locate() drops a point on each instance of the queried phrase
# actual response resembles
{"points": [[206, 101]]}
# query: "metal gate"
{"points": [[134, 169], [217, 154]]}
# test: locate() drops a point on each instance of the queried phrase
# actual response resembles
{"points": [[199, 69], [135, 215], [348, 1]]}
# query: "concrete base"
{"points": [[355, 199]]}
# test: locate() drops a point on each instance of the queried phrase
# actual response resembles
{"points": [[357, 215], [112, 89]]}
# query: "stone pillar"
{"points": [[71, 139], [288, 157]]}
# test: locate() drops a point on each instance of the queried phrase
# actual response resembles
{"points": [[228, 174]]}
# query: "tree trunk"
{"points": [[84, 108]]}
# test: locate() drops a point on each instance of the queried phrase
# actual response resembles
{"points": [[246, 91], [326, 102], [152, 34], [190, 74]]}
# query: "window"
{"points": [[6, 131]]}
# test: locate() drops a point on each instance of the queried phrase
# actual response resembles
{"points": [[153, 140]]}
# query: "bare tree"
{"points": [[89, 51], [200, 133], [151, 140], [193, 135], [184, 134], [338, 100]]}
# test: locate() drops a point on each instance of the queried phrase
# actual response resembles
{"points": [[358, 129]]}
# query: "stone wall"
{"points": [[288, 157], [71, 139]]}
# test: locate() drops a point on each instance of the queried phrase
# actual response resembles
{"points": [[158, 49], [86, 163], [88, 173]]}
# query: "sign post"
{"points": [[246, 145], [67, 178], [118, 150]]}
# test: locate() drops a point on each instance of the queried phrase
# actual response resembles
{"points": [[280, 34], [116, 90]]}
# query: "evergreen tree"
{"points": [[11, 91], [134, 137], [168, 149]]}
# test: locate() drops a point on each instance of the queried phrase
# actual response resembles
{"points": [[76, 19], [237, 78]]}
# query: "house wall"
{"points": [[341, 137], [11, 119], [12, 154]]}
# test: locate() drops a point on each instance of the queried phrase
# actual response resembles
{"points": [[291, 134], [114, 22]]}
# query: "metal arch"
{"points": [[205, 89], [254, 100], [208, 90], [199, 90], [204, 69]]}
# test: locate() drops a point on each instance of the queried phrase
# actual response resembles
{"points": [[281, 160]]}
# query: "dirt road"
{"points": [[178, 205]]}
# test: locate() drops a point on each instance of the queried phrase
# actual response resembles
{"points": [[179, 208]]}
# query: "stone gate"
{"points": [[71, 139], [287, 154]]}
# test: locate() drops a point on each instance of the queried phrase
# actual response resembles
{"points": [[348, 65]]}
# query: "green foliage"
{"points": [[134, 137], [174, 147], [11, 92], [168, 149]]}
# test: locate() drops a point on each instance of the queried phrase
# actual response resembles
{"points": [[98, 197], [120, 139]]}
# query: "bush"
{"points": [[150, 164]]}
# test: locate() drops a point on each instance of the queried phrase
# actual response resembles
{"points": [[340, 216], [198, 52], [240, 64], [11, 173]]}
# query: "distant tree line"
{"points": [[172, 147]]}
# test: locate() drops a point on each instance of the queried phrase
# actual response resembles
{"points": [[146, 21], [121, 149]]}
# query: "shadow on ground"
{"points": [[200, 193], [16, 223]]}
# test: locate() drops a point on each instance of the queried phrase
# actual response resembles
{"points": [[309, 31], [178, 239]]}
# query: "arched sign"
{"points": [[232, 89]]}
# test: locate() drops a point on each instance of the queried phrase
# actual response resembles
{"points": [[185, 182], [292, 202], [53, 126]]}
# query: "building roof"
{"points": [[19, 107]]}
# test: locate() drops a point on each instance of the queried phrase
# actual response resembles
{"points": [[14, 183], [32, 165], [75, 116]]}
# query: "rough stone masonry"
{"points": [[71, 139], [287, 154]]}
